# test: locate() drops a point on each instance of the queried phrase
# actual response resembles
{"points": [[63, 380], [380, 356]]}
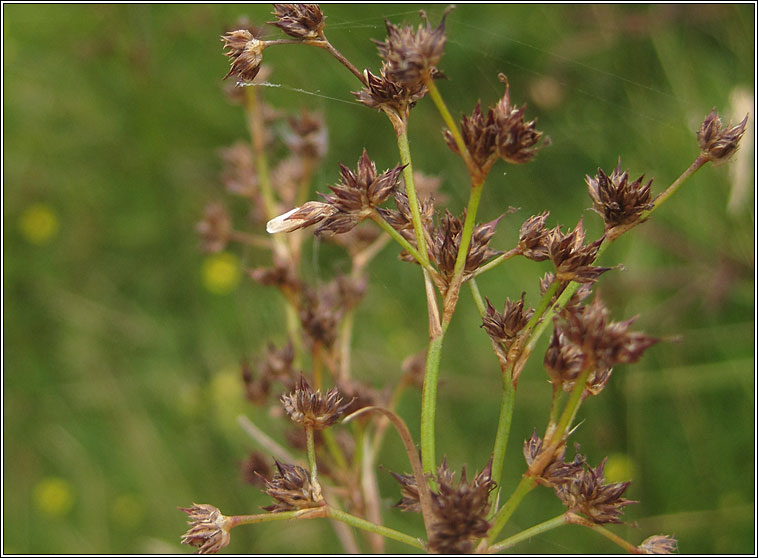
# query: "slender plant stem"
{"points": [[410, 188], [528, 534], [326, 45], [439, 102], [477, 296], [237, 520], [572, 406], [497, 261], [504, 514], [429, 403], [310, 448], [507, 401], [257, 134], [374, 528]]}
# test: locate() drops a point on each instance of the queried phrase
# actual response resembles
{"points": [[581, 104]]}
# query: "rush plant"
{"points": [[342, 421]]}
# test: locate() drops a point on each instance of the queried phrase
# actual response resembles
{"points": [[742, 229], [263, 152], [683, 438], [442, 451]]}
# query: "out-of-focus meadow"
{"points": [[122, 341]]}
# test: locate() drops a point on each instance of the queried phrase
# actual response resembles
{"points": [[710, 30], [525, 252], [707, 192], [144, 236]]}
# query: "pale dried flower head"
{"points": [[209, 528]]}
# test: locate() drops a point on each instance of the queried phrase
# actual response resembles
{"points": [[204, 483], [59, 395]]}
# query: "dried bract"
{"points": [[209, 529], [302, 21], [557, 471], [246, 53], [308, 214], [659, 544], [310, 408], [618, 200], [292, 489], [587, 494], [716, 144]]}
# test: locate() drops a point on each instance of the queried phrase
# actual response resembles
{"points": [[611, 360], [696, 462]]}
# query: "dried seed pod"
{"points": [[209, 528], [557, 471], [533, 238], [716, 144], [617, 200], [311, 409], [504, 327], [479, 134], [382, 92], [308, 214], [302, 21], [292, 489]]}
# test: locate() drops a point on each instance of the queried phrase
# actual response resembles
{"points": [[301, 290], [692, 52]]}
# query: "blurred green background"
{"points": [[121, 351]]}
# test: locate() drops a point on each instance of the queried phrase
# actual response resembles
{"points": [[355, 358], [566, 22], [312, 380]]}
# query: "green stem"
{"points": [[429, 403], [410, 188], [666, 194], [237, 520], [374, 528], [507, 401], [477, 296], [257, 134], [504, 514], [439, 102], [542, 306], [528, 533], [310, 448]]}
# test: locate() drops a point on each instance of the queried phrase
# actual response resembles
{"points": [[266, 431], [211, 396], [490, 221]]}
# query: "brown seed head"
{"points": [[717, 144], [503, 328], [245, 52], [312, 409], [571, 257], [382, 92], [238, 174], [557, 471], [533, 238], [564, 361], [659, 544], [574, 303], [411, 57], [460, 510], [209, 529], [302, 21], [215, 228], [516, 140], [479, 133], [587, 494], [308, 214], [617, 200], [291, 489]]}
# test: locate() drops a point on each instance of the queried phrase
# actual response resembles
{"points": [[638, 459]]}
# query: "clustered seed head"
{"points": [[717, 144], [572, 257], [587, 494], [588, 339], [557, 471], [215, 229], [302, 21], [459, 510], [411, 56], [504, 328], [380, 92], [617, 200], [583, 291], [352, 200], [245, 52], [312, 409], [502, 133], [533, 238], [291, 489], [446, 239], [209, 529], [659, 544]]}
